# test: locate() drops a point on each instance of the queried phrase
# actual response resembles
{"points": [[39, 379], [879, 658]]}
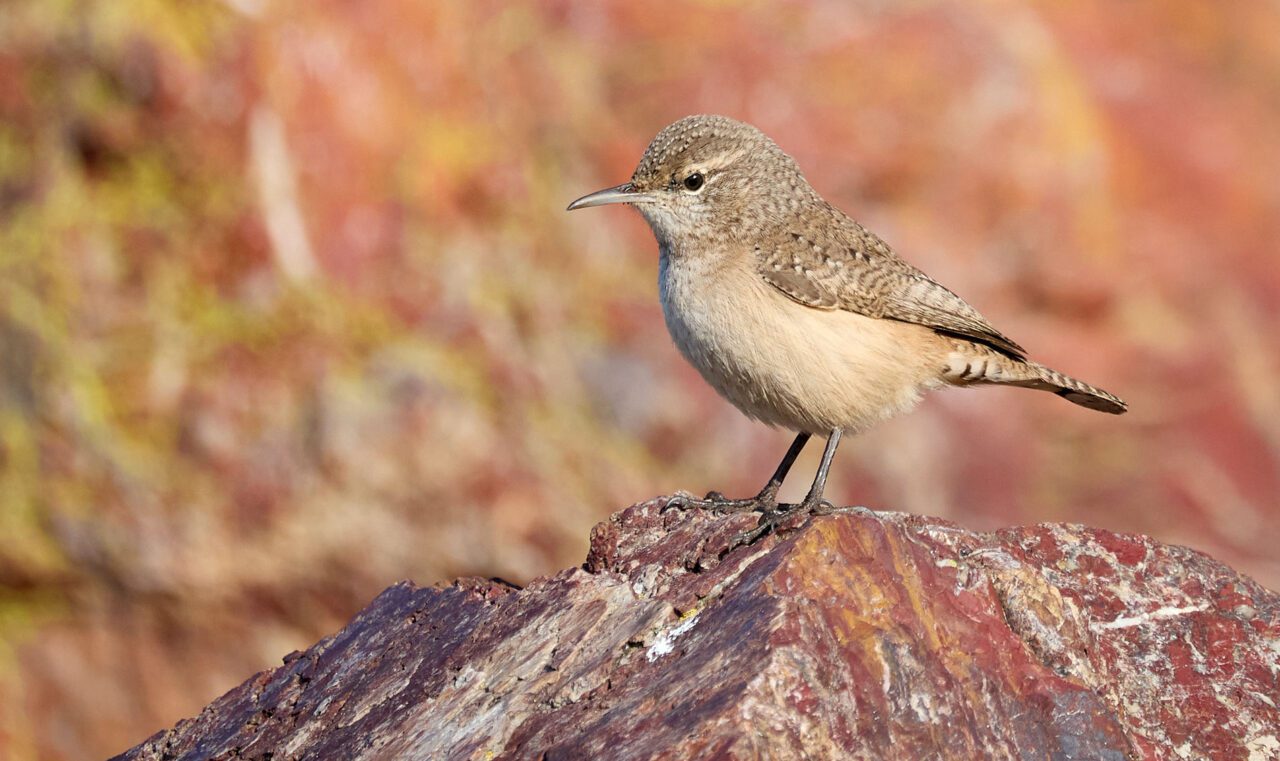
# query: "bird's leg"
{"points": [[813, 501], [765, 501]]}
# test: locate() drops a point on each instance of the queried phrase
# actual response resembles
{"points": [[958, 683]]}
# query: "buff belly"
{"points": [[789, 365]]}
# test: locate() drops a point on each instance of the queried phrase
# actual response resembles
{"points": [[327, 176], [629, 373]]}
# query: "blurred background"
{"points": [[290, 308]]}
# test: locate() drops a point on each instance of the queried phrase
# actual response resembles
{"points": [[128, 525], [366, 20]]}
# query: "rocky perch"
{"points": [[860, 635]]}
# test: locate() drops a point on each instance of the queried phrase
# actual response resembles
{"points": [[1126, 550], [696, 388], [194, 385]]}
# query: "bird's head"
{"points": [[707, 177]]}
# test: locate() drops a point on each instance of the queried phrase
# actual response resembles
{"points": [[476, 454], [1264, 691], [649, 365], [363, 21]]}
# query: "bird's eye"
{"points": [[693, 183]]}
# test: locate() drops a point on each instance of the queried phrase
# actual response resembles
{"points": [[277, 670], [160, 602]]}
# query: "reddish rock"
{"points": [[859, 636]]}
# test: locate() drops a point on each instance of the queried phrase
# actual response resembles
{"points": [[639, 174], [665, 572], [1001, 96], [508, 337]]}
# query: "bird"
{"points": [[793, 311]]}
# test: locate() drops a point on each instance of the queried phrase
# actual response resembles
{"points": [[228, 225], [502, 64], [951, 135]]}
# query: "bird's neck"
{"points": [[689, 239]]}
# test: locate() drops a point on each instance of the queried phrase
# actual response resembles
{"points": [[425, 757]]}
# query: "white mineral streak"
{"points": [[1124, 622], [1263, 748], [665, 642]]}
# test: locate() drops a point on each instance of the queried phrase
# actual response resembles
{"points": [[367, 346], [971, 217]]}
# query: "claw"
{"points": [[771, 522], [715, 502], [768, 524], [748, 538], [674, 502]]}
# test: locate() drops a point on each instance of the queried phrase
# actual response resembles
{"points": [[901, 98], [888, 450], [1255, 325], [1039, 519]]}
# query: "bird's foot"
{"points": [[779, 519], [717, 502]]}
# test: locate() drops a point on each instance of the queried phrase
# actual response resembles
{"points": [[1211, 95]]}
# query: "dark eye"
{"points": [[693, 183]]}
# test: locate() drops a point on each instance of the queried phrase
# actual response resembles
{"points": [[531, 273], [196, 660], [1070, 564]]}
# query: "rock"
{"points": [[860, 635]]}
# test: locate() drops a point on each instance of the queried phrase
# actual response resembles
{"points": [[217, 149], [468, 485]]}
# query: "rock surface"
{"points": [[860, 635]]}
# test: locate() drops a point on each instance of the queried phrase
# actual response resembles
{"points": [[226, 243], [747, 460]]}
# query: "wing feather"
{"points": [[848, 267]]}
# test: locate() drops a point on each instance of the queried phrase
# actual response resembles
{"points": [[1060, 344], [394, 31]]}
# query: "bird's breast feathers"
{"points": [[786, 364]]}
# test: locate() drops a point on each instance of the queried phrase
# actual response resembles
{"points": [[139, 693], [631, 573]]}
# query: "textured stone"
{"points": [[860, 635]]}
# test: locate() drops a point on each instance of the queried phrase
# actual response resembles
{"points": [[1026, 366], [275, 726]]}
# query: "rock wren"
{"points": [[799, 316]]}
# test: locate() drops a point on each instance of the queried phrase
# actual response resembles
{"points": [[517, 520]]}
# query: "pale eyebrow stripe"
{"points": [[721, 161]]}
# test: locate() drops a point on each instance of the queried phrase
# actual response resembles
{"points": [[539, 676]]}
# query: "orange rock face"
{"points": [[858, 635]]}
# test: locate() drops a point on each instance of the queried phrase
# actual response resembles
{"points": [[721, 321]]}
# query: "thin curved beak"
{"points": [[623, 193]]}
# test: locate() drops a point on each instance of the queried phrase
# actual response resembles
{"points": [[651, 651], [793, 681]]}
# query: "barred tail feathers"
{"points": [[1077, 391], [988, 366]]}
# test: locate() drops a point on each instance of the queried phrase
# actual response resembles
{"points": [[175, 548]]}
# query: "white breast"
{"points": [[786, 364]]}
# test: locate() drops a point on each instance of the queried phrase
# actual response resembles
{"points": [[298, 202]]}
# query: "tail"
{"points": [[1075, 391], [983, 365]]}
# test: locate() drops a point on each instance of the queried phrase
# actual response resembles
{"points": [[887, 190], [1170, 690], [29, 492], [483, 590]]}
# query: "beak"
{"points": [[623, 193]]}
